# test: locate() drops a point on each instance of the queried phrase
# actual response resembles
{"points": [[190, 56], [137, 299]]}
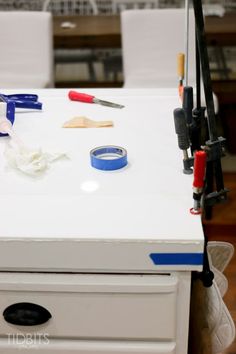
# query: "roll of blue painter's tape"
{"points": [[108, 158]]}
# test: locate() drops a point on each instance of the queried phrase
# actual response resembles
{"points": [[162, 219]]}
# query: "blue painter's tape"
{"points": [[177, 258], [108, 158]]}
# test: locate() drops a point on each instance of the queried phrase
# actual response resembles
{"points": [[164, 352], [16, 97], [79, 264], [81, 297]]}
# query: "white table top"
{"points": [[76, 217]]}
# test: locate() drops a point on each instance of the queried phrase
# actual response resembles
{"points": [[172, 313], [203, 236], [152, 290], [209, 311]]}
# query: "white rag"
{"points": [[32, 162]]}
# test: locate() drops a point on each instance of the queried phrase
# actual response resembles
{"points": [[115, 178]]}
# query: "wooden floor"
{"points": [[222, 227], [223, 222]]}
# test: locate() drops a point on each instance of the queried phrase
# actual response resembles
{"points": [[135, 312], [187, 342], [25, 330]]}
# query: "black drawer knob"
{"points": [[26, 314]]}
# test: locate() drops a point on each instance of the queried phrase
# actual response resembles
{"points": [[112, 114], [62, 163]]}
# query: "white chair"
{"points": [[26, 59], [151, 41]]}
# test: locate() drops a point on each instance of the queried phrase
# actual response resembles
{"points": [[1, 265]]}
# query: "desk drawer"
{"points": [[94, 306]]}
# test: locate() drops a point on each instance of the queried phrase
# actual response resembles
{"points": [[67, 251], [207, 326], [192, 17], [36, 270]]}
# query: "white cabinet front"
{"points": [[97, 306]]}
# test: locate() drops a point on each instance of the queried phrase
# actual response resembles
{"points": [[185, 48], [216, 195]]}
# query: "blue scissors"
{"points": [[22, 100], [8, 103]]}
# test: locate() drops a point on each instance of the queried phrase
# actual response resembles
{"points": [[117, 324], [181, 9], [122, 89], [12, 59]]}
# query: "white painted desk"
{"points": [[127, 235]]}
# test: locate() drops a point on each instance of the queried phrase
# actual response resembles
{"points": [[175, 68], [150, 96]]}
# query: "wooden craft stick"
{"points": [[84, 122]]}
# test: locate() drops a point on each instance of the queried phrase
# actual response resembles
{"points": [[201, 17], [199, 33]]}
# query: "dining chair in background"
{"points": [[26, 59], [151, 41]]}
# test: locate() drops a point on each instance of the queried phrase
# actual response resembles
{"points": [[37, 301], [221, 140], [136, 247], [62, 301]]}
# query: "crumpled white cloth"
{"points": [[30, 161]]}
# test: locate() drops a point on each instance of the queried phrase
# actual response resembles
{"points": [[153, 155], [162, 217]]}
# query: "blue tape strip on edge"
{"points": [[177, 258], [118, 161]]}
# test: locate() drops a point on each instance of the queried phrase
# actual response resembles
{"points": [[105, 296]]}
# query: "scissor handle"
{"points": [[28, 104], [78, 96]]}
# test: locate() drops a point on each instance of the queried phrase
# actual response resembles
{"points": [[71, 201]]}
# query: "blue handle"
{"points": [[24, 100], [22, 97], [27, 104]]}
